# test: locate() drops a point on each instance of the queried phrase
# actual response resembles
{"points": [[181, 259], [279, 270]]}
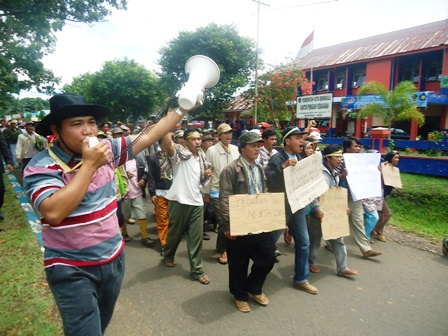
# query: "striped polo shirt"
{"points": [[90, 235]]}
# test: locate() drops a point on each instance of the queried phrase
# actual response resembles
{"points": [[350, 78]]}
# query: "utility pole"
{"points": [[256, 60]]}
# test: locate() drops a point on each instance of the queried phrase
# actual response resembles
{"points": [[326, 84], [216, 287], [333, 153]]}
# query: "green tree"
{"points": [[275, 88], [26, 105], [398, 103], [128, 88], [234, 55], [27, 34]]}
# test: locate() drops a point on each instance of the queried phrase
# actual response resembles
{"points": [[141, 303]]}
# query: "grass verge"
{"points": [[420, 207], [26, 304]]}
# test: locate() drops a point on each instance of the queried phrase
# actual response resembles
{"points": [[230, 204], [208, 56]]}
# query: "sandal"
{"points": [[242, 306], [348, 272], [203, 280], [329, 248], [314, 269], [260, 298], [381, 237], [169, 263], [223, 259], [287, 236]]}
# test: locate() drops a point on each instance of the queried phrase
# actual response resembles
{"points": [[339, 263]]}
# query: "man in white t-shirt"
{"points": [[191, 172]]}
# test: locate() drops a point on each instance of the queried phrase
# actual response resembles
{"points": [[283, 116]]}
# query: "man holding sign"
{"points": [[246, 176], [289, 156], [352, 145], [332, 159]]}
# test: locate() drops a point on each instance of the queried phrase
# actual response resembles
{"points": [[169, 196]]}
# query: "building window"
{"points": [[359, 77], [322, 84], [340, 80], [410, 72], [434, 71]]}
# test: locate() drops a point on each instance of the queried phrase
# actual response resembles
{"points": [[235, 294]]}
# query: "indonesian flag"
{"points": [[306, 47]]}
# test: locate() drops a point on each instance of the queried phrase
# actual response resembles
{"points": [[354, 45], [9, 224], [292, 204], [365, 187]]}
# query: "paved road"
{"points": [[403, 292]]}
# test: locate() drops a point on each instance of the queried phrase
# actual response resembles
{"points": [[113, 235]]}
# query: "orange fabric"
{"points": [[161, 209]]}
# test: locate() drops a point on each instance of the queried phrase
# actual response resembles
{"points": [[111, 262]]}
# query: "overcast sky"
{"points": [[139, 32]]}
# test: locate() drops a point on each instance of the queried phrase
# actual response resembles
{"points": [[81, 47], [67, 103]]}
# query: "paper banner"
{"points": [[304, 182], [334, 205], [391, 175], [250, 214]]}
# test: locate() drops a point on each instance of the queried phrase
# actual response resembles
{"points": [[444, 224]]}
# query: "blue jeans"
{"points": [[297, 227], [86, 296], [13, 154]]}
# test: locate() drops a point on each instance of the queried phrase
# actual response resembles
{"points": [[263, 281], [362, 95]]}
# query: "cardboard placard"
{"points": [[391, 175], [304, 182], [334, 205], [250, 214]]}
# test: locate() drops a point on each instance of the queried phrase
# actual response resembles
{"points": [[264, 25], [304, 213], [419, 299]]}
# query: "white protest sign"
{"points": [[304, 182], [364, 177], [334, 205], [250, 214], [391, 175]]}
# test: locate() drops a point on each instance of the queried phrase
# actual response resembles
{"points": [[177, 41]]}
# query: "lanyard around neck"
{"points": [[62, 164], [253, 177]]}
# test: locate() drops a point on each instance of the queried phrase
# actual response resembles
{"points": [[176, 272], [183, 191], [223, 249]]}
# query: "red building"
{"points": [[417, 54]]}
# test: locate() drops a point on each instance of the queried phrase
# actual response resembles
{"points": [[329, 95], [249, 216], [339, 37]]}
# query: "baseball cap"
{"points": [[249, 137], [117, 130], [291, 130]]}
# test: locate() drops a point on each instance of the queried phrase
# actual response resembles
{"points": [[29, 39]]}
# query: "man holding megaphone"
{"points": [[72, 185]]}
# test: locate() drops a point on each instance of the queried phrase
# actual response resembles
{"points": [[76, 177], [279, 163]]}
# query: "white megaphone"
{"points": [[203, 73]]}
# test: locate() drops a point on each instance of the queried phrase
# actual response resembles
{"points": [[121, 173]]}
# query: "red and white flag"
{"points": [[306, 47]]}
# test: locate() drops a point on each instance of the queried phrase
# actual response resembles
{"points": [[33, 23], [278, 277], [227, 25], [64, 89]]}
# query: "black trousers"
{"points": [[260, 249]]}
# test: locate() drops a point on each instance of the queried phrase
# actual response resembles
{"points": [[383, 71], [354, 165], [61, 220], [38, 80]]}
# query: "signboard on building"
{"points": [[358, 102], [420, 98], [315, 106]]}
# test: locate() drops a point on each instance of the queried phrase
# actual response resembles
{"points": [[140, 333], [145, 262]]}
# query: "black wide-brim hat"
{"points": [[69, 105]]}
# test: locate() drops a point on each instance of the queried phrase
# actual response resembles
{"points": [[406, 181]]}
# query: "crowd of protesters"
{"points": [[188, 174]]}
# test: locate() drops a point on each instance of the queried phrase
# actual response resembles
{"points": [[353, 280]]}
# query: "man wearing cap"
{"points": [[11, 135], [28, 145], [72, 186], [245, 176], [220, 155], [332, 159], [296, 222], [314, 138], [207, 142], [126, 130], [179, 137]]}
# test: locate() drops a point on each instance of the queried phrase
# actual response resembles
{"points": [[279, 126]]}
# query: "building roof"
{"points": [[238, 104], [431, 35]]}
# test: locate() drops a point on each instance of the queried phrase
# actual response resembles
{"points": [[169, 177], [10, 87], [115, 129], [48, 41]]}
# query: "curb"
{"points": [[33, 221]]}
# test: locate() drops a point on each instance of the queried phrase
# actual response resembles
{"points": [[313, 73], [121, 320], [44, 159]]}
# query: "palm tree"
{"points": [[398, 103]]}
